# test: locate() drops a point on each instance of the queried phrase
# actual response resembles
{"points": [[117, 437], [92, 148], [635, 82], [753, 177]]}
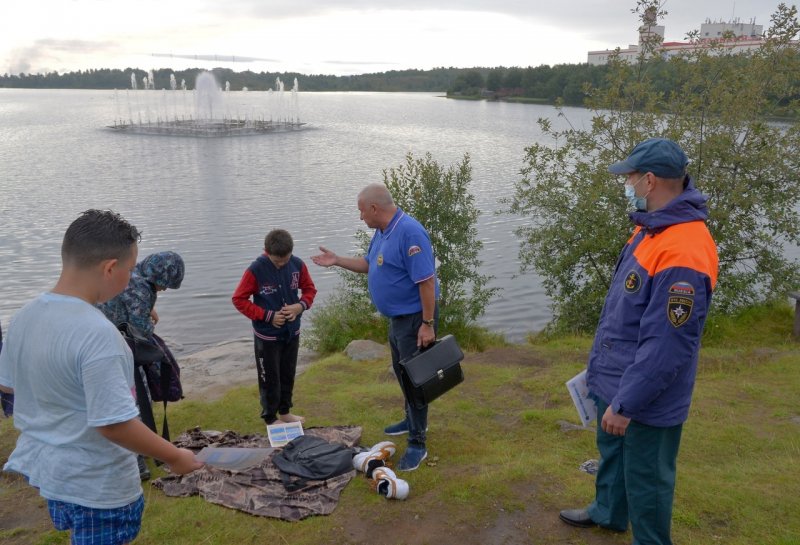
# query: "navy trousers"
{"points": [[403, 343]]}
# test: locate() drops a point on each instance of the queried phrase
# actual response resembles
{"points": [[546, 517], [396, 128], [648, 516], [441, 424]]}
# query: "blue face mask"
{"points": [[637, 203]]}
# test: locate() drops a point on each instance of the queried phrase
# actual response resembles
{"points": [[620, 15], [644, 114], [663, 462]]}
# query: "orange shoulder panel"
{"points": [[687, 245]]}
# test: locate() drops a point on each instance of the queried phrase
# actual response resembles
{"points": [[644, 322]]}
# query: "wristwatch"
{"points": [[428, 322]]}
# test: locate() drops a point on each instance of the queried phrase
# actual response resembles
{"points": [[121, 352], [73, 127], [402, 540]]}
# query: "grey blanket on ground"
{"points": [[259, 490]]}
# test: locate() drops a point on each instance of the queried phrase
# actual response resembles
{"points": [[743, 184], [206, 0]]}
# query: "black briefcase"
{"points": [[432, 372]]}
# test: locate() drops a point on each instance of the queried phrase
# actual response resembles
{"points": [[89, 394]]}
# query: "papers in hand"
{"points": [[281, 433], [579, 392], [233, 458]]}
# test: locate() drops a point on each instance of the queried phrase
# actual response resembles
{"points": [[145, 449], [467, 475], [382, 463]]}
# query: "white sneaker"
{"points": [[385, 449], [366, 462], [389, 485]]}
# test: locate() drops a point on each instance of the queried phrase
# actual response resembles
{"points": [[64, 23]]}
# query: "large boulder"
{"points": [[363, 350]]}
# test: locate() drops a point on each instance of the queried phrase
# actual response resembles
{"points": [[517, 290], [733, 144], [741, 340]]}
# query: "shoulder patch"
{"points": [[633, 282], [414, 250], [682, 288], [679, 309], [680, 303]]}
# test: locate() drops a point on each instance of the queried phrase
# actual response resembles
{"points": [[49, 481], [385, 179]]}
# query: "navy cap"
{"points": [[661, 156]]}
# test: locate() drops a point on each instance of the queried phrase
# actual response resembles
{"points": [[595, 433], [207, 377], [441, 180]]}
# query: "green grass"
{"points": [[504, 465], [761, 326]]}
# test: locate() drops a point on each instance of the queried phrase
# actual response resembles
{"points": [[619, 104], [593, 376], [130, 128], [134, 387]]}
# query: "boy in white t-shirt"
{"points": [[72, 376]]}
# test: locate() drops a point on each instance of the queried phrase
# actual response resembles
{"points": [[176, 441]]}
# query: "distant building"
{"points": [[746, 37]]}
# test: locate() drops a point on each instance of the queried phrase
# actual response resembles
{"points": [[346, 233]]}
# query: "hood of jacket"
{"points": [[164, 269], [688, 206]]}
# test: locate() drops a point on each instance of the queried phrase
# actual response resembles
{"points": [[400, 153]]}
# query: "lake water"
{"points": [[213, 200]]}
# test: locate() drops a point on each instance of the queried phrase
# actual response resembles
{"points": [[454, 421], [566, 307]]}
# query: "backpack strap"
{"points": [[143, 399], [166, 377]]}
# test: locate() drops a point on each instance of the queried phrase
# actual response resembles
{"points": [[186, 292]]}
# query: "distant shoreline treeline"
{"points": [[542, 83], [564, 83]]}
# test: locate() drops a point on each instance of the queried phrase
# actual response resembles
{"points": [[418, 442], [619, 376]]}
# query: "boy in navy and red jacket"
{"points": [[281, 289]]}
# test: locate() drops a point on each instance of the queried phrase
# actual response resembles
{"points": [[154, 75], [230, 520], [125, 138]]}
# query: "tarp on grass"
{"points": [[259, 490]]}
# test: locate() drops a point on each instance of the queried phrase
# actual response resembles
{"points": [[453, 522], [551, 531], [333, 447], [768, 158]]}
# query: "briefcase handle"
{"points": [[421, 349]]}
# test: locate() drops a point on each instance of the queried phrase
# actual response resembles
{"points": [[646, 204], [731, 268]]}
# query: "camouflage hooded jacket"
{"points": [[160, 270]]}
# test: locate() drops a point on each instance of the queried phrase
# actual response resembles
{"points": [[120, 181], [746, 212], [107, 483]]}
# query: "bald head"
{"points": [[376, 194], [376, 206]]}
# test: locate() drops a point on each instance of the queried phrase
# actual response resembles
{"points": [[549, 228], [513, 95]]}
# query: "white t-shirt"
{"points": [[71, 371]]}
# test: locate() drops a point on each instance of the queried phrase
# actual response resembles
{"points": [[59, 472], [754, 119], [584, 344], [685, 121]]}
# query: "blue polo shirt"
{"points": [[399, 257]]}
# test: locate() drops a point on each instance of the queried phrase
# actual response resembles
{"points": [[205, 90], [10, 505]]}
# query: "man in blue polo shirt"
{"points": [[401, 275]]}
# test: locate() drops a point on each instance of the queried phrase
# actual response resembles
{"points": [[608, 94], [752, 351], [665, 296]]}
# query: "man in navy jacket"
{"points": [[643, 362]]}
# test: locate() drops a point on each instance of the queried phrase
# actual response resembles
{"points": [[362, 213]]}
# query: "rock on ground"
{"points": [[208, 374], [363, 350]]}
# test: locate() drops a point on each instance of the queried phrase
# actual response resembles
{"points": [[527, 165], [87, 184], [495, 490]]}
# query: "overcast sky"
{"points": [[332, 36]]}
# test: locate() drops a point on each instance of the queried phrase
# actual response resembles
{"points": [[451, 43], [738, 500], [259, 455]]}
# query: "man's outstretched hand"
{"points": [[325, 259]]}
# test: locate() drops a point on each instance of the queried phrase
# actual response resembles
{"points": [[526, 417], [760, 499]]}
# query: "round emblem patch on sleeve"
{"points": [[414, 250], [679, 303], [633, 282]]}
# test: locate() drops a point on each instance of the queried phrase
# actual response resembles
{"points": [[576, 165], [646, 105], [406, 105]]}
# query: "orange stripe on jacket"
{"points": [[687, 245]]}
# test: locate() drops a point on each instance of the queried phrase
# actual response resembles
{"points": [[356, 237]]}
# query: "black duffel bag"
{"points": [[431, 372]]}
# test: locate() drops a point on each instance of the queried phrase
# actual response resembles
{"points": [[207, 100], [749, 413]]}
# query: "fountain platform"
{"points": [[170, 113], [207, 128]]}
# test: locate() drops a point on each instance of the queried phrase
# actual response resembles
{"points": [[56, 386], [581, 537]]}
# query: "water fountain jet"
{"points": [[209, 118]]}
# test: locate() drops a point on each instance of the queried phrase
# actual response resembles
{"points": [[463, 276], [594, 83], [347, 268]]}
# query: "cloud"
{"points": [[597, 19], [42, 55], [220, 58], [360, 62], [281, 9], [414, 33]]}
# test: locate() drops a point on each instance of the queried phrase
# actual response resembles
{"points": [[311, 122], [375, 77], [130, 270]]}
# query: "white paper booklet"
{"points": [[281, 433], [233, 458], [579, 392]]}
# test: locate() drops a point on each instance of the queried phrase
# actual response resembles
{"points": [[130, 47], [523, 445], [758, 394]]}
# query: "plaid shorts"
{"points": [[91, 526]]}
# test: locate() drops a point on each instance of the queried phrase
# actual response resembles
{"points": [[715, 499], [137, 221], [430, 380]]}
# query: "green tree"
{"points": [[468, 83], [439, 198], [494, 80], [513, 78], [717, 110]]}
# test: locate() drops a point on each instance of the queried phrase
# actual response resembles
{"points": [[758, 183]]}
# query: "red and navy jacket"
{"points": [[272, 288], [644, 358]]}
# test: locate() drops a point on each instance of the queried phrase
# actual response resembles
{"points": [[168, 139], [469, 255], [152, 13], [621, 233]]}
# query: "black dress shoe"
{"points": [[577, 517]]}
